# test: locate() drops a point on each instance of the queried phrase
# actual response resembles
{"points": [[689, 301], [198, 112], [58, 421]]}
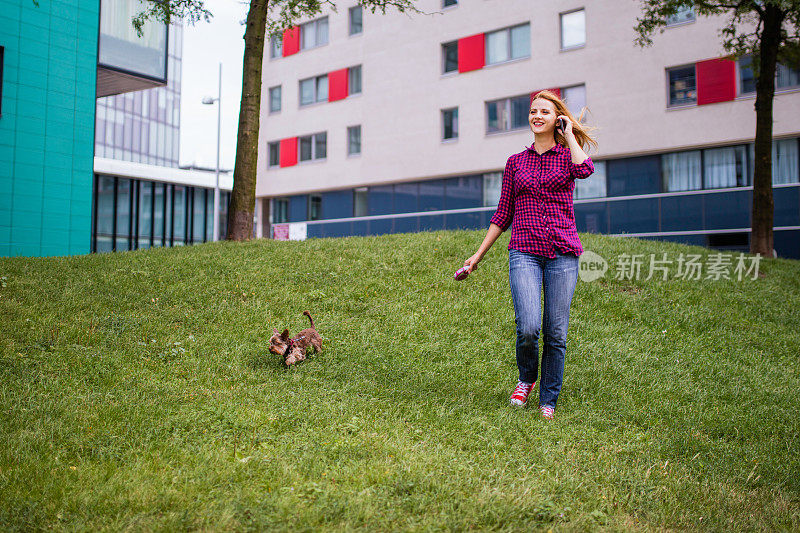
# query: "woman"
{"points": [[536, 200]]}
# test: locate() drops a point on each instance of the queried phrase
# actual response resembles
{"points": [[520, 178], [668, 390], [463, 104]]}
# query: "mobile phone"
{"points": [[561, 124]]}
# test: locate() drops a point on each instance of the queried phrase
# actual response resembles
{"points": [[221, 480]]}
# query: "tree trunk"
{"points": [[761, 240], [243, 196]]}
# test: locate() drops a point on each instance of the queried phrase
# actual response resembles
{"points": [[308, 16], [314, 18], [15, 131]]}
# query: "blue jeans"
{"points": [[527, 273]]}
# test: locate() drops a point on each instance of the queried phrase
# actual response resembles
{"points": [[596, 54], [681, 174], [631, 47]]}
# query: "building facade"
{"points": [[141, 198], [48, 68], [390, 123], [59, 197]]}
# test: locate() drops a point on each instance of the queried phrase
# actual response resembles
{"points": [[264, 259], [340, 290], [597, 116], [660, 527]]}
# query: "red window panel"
{"points": [[291, 41], [337, 85], [716, 80], [471, 53], [288, 152]]}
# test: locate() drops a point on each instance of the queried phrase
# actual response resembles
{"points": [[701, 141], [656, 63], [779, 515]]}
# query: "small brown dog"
{"points": [[294, 349]]}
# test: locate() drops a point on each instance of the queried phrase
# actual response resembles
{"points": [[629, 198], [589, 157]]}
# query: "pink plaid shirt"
{"points": [[537, 197]]}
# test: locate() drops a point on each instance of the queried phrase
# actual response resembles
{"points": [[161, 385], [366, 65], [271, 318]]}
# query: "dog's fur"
{"points": [[295, 349]]}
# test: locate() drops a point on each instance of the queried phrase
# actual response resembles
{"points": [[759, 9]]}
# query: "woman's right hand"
{"points": [[473, 261]]}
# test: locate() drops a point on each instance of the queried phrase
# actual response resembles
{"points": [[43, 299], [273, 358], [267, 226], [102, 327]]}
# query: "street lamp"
{"points": [[208, 100]]}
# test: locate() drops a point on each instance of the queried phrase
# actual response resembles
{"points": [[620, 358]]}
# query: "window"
{"points": [[747, 80], [724, 167], [274, 154], [507, 114], [595, 185], [360, 202], [356, 20], [280, 210], [785, 77], [575, 98], [276, 46], [275, 99], [681, 171], [508, 43], [573, 29], [448, 3], [492, 185], [450, 57], [313, 146], [682, 85], [314, 207], [314, 33], [353, 140], [450, 123], [684, 14], [354, 80], [784, 162], [314, 90]]}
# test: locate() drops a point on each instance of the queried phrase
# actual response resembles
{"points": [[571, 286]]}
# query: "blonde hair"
{"points": [[581, 131]]}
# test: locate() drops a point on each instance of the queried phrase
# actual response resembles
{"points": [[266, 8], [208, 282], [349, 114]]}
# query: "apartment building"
{"points": [[403, 122]]}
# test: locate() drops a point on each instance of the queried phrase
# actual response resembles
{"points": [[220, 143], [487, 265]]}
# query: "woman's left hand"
{"points": [[568, 129]]}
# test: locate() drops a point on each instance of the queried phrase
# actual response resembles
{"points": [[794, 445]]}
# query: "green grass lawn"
{"points": [[137, 393]]}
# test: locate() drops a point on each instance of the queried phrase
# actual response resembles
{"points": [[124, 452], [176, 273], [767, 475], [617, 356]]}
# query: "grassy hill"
{"points": [[137, 392]]}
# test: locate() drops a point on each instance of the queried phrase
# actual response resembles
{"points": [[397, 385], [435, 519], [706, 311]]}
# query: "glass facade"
{"points": [[671, 192], [131, 214], [122, 49], [144, 126]]}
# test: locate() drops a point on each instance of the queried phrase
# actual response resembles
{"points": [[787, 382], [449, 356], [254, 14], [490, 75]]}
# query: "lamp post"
{"points": [[209, 101]]}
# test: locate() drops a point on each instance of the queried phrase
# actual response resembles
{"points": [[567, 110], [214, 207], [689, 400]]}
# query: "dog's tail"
{"points": [[309, 317]]}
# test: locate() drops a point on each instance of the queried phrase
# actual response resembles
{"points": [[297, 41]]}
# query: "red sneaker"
{"points": [[520, 394], [547, 412]]}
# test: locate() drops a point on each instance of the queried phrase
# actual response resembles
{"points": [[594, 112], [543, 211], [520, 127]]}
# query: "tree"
{"points": [[774, 39], [264, 17]]}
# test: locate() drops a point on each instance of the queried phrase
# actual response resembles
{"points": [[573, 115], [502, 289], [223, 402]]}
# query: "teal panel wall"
{"points": [[47, 126]]}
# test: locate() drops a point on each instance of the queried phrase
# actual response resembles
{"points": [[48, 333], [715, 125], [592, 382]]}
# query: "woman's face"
{"points": [[542, 116]]}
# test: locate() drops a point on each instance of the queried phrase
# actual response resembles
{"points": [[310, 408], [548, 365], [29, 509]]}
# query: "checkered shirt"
{"points": [[536, 201]]}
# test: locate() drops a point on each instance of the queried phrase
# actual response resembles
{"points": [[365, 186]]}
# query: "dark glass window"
{"points": [[209, 215], [274, 154], [450, 56], [313, 90], [356, 22], [353, 140], [123, 214], [276, 46], [360, 202], [354, 80], [507, 114], [275, 99], [520, 107], [280, 208], [447, 3], [104, 226], [179, 215], [314, 207], [682, 85], [321, 145], [306, 148], [198, 214], [158, 215], [145, 213], [450, 123]]}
